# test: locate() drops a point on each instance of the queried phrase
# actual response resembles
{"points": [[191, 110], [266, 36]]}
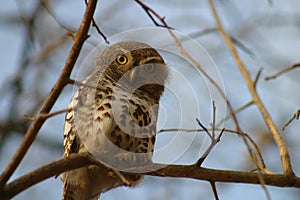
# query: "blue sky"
{"points": [[270, 32]]}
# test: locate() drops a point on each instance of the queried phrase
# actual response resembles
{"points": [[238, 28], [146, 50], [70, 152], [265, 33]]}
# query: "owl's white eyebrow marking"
{"points": [[123, 50], [153, 59]]}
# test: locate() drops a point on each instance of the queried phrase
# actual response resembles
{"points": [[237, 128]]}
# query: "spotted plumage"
{"points": [[113, 117]]}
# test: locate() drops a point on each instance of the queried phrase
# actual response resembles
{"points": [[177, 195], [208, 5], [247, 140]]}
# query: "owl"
{"points": [[113, 117]]}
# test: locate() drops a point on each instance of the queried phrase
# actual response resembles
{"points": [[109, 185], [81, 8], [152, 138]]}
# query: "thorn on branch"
{"points": [[71, 34], [214, 189], [29, 117], [87, 37], [257, 77], [295, 116]]}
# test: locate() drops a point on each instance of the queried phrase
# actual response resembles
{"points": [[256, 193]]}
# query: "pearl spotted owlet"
{"points": [[113, 117]]}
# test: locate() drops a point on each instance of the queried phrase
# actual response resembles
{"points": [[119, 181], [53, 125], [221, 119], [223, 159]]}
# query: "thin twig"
{"points": [[212, 30], [214, 120], [213, 139], [150, 11], [32, 132], [50, 48], [94, 24], [294, 66], [203, 127], [202, 32], [243, 107], [47, 115], [49, 11], [285, 158], [213, 143], [261, 165]]}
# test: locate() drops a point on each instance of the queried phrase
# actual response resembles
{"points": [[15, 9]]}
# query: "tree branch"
{"points": [[180, 171], [31, 133], [285, 158]]}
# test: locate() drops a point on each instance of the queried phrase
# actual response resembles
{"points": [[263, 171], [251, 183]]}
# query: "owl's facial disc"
{"points": [[143, 71], [136, 66], [148, 78]]}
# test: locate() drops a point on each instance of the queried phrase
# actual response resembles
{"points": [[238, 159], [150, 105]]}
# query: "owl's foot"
{"points": [[116, 174]]}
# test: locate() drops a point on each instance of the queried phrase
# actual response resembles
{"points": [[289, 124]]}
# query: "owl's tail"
{"points": [[75, 187]]}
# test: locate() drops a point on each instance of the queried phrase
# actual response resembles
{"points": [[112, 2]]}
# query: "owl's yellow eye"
{"points": [[122, 60]]}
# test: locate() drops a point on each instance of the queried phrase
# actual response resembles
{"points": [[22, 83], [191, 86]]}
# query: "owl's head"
{"points": [[134, 65]]}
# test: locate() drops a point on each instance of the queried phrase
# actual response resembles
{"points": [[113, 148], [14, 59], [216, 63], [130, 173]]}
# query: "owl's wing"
{"points": [[70, 145], [81, 132], [89, 116]]}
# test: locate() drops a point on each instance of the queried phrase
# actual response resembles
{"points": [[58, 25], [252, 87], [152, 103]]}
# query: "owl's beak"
{"points": [[132, 74]]}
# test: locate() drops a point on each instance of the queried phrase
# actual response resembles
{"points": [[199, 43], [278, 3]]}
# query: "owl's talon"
{"points": [[116, 174], [113, 175]]}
